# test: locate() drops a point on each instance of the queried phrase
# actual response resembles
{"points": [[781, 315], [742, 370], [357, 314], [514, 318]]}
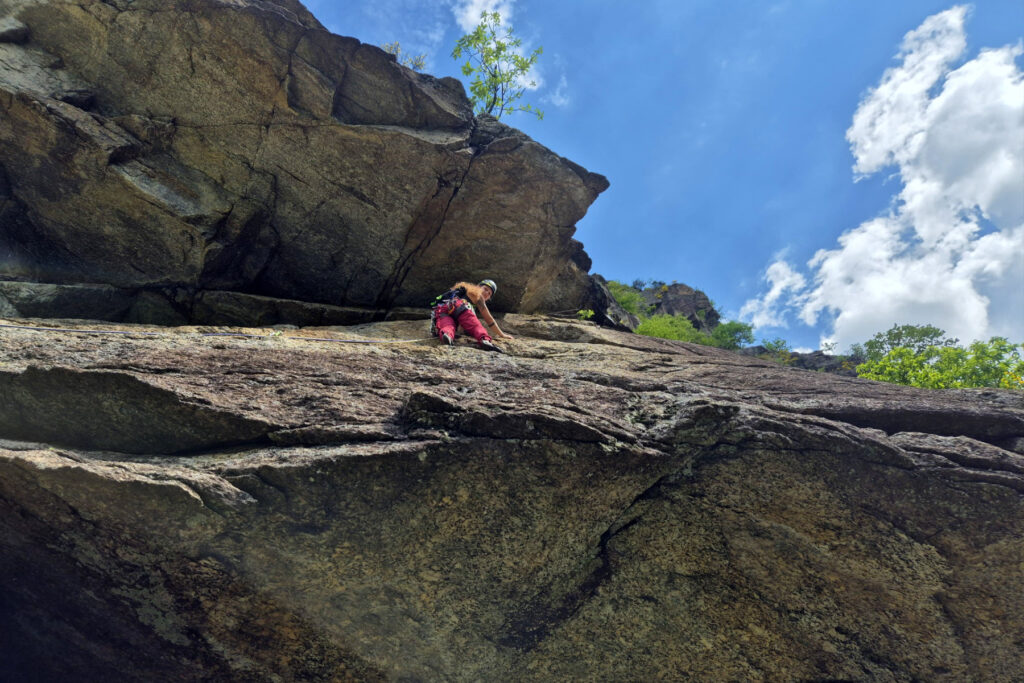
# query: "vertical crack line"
{"points": [[531, 624], [425, 232]]}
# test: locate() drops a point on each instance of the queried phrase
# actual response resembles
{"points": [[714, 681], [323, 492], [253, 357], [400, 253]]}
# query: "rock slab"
{"points": [[346, 504], [171, 150]]}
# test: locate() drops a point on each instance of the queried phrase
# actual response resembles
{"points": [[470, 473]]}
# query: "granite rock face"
{"points": [[346, 504], [187, 151], [680, 299]]}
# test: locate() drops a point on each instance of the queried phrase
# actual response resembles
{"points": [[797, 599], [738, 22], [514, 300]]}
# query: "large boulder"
{"points": [[170, 149], [680, 299], [347, 504]]}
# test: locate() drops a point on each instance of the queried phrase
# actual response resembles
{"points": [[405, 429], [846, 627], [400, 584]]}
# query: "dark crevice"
{"points": [[989, 428], [532, 625], [525, 630], [222, 447], [973, 462], [238, 480], [423, 230], [355, 192]]}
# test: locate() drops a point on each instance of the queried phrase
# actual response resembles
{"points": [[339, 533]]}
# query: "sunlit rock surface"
{"points": [[594, 505], [174, 157]]}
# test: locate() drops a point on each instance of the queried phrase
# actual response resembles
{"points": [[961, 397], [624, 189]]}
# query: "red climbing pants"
{"points": [[468, 321]]}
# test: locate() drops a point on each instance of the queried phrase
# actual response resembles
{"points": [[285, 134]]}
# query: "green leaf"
{"points": [[495, 67]]}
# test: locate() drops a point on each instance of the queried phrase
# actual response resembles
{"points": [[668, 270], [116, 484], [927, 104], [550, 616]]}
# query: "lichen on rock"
{"points": [[239, 148], [593, 505]]}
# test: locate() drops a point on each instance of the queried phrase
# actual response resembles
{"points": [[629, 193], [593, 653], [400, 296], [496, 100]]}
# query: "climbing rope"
{"points": [[214, 334]]}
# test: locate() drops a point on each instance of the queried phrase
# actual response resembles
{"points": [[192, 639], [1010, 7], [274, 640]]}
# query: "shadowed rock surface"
{"points": [[197, 161], [593, 506], [819, 361]]}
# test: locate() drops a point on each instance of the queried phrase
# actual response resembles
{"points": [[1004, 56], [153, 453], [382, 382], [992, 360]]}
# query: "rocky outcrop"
{"points": [[607, 311], [680, 299], [306, 505], [187, 153], [819, 361]]}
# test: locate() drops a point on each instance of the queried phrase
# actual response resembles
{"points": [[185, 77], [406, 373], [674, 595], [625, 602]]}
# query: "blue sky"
{"points": [[822, 169]]}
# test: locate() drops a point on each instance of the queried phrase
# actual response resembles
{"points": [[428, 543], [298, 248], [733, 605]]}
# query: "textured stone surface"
{"points": [[819, 361], [593, 506], [173, 148], [680, 299]]}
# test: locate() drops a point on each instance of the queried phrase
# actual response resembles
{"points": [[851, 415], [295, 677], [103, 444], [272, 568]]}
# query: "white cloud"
{"points": [[560, 96], [467, 16], [888, 125], [951, 251], [771, 309], [467, 12]]}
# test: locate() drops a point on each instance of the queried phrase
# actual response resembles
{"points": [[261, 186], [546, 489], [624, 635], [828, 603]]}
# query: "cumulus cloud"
{"points": [[467, 16], [467, 12], [888, 126], [951, 250], [771, 309]]}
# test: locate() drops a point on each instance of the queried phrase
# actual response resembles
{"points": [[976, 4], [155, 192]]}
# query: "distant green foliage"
{"points": [[997, 363], [414, 62], [777, 350], [776, 345], [498, 70], [917, 338], [676, 327], [732, 335], [631, 300], [728, 335]]}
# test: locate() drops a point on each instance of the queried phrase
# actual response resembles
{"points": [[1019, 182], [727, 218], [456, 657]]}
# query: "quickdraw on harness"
{"points": [[451, 303]]}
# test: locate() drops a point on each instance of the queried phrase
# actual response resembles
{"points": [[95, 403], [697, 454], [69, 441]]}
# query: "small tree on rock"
{"points": [[414, 62], [917, 338], [498, 70], [995, 363]]}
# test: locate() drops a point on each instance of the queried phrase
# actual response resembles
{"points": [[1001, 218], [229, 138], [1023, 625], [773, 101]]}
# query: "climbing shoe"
{"points": [[488, 345], [447, 339]]}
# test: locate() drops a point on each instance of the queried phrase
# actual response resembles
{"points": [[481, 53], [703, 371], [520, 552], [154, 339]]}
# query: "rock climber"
{"points": [[456, 307]]}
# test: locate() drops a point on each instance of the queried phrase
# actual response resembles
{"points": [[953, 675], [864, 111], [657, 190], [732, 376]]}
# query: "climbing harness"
{"points": [[213, 334], [452, 303]]}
